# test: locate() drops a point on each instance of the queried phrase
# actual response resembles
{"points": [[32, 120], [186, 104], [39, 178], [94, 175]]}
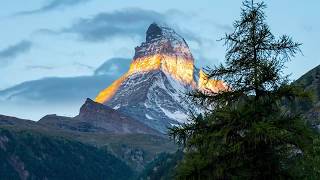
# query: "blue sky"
{"points": [[61, 38]]}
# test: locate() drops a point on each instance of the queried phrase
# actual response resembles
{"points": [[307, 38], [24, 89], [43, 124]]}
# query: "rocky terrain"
{"points": [[154, 89]]}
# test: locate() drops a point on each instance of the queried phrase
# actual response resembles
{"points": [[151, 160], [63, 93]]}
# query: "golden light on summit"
{"points": [[166, 51], [145, 64], [109, 92], [179, 68]]}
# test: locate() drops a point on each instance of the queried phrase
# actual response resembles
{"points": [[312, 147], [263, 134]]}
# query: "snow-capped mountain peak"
{"points": [[163, 40], [161, 72]]}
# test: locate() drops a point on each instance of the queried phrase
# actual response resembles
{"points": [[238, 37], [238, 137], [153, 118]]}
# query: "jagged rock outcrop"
{"points": [[95, 117]]}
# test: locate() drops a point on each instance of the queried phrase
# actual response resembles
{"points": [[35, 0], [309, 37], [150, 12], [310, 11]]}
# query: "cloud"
{"points": [[114, 66], [53, 5], [129, 23], [123, 23], [80, 65], [33, 67], [224, 27], [15, 50]]}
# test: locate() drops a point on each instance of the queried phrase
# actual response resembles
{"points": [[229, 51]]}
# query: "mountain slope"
{"points": [[103, 127], [152, 99], [311, 83], [95, 117], [161, 73], [133, 148], [32, 155]]}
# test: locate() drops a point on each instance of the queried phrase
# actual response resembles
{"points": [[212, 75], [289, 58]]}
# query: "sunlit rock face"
{"points": [[177, 66], [162, 70], [208, 85], [163, 50]]}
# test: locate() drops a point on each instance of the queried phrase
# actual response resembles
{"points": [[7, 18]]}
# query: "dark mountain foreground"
{"points": [[162, 167], [99, 141], [311, 83], [32, 155]]}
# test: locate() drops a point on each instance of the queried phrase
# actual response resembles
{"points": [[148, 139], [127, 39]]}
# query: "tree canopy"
{"points": [[251, 130]]}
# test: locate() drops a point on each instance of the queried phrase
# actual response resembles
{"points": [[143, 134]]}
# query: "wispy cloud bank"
{"points": [[81, 65], [53, 5], [129, 22], [15, 50], [33, 67], [125, 23]]}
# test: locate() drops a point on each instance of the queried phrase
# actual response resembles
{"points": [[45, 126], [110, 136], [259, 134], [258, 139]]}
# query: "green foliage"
{"points": [[37, 156], [251, 130], [162, 167], [308, 166]]}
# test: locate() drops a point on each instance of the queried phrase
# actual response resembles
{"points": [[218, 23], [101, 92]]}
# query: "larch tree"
{"points": [[251, 130]]}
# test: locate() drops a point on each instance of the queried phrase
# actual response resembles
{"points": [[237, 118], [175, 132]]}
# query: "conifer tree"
{"points": [[251, 130]]}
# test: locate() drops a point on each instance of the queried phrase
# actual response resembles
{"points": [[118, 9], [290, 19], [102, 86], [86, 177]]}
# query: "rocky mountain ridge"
{"points": [[161, 73]]}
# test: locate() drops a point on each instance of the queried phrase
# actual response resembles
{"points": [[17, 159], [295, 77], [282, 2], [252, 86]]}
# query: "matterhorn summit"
{"points": [[161, 72]]}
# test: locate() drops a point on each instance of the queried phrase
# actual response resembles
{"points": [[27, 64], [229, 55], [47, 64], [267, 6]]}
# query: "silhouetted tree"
{"points": [[251, 131]]}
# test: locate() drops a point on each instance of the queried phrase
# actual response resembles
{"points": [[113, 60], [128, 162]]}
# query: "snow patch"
{"points": [[175, 125], [149, 117], [117, 107], [177, 115]]}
